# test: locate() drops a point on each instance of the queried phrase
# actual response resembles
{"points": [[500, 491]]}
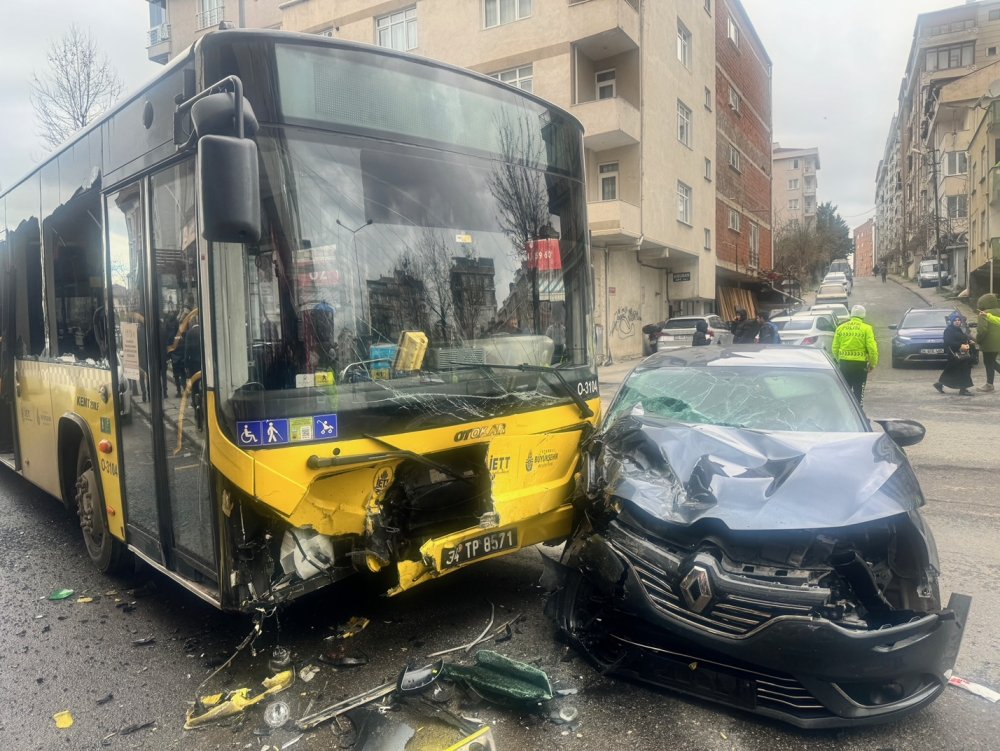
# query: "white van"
{"points": [[927, 274]]}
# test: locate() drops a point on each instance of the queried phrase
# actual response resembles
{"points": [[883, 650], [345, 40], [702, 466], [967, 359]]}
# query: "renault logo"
{"points": [[697, 589]]}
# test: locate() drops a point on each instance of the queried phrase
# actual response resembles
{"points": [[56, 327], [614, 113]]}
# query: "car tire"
{"points": [[897, 363]]}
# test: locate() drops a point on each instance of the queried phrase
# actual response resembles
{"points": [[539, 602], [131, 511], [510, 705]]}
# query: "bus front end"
{"points": [[402, 368]]}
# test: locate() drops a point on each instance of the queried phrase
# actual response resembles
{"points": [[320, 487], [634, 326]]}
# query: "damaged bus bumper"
{"points": [[685, 622]]}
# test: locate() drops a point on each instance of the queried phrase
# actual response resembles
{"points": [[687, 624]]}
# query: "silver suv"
{"points": [[679, 332]]}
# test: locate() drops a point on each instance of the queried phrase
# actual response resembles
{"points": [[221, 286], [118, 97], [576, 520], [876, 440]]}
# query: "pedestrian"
{"points": [[957, 373], [744, 328], [855, 351], [767, 332], [702, 334], [882, 270], [988, 336]]}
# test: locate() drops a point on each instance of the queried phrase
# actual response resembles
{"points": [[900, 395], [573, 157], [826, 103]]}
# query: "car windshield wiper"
{"points": [[585, 410]]}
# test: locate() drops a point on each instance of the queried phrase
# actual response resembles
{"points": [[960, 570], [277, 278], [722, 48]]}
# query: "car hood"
{"points": [[752, 480], [922, 333]]}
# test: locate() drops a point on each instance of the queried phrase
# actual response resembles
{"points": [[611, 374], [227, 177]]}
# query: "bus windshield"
{"points": [[397, 286]]}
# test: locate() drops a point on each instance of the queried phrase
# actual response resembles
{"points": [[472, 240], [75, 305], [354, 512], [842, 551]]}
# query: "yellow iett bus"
{"points": [[301, 308]]}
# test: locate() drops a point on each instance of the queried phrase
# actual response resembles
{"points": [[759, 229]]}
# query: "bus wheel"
{"points": [[106, 552]]}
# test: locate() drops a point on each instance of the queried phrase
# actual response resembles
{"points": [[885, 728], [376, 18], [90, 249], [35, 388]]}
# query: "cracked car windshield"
{"points": [[405, 284], [754, 398]]}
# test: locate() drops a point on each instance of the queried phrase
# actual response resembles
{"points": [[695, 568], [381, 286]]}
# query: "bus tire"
{"points": [[106, 552]]}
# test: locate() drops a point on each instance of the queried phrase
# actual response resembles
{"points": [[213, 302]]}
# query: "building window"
{"points": [[734, 220], [708, 99], [607, 88], [957, 208], [708, 239], [956, 163], [793, 204], [735, 100], [397, 31], [708, 7], [795, 164], [683, 123], [810, 182], [734, 32], [793, 184], [609, 181], [991, 51], [994, 15], [810, 205], [735, 158], [708, 169], [212, 13], [521, 78], [683, 44], [754, 245], [683, 203], [498, 12], [952, 56]]}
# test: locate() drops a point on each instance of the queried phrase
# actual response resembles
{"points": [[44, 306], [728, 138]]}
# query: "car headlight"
{"points": [[903, 339]]}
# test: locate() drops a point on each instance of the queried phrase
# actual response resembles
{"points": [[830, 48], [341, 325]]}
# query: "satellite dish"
{"points": [[994, 90]]}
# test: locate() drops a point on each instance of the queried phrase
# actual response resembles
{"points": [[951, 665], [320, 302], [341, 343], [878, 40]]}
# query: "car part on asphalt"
{"points": [[501, 680], [276, 714], [235, 702]]}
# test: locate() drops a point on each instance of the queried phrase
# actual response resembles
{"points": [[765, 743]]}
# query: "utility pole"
{"points": [[937, 215]]}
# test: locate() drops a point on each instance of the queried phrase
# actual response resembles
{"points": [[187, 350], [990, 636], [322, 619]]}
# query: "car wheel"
{"points": [[896, 363], [581, 614], [106, 552]]}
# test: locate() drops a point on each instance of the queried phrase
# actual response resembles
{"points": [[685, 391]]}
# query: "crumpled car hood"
{"points": [[751, 480]]}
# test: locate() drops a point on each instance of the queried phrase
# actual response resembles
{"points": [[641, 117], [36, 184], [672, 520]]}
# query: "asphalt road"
{"points": [[68, 655]]}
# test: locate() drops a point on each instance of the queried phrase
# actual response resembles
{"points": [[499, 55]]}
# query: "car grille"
{"points": [[728, 614]]}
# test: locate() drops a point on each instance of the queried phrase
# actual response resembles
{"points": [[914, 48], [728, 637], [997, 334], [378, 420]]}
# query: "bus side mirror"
{"points": [[229, 189]]}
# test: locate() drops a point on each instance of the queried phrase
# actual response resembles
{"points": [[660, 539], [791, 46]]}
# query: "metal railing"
{"points": [[158, 34], [211, 17]]}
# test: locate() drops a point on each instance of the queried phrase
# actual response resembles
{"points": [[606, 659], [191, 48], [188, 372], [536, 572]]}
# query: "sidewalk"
{"points": [[934, 296]]}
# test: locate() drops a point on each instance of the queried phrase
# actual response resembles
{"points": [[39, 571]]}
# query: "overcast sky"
{"points": [[837, 69]]}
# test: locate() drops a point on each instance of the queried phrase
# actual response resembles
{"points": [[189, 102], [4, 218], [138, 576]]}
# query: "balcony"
{"points": [[993, 117], [608, 123], [994, 184], [157, 35], [211, 17], [613, 222], [604, 28]]}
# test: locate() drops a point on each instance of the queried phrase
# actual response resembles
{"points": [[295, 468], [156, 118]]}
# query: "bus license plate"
{"points": [[479, 547], [932, 351]]}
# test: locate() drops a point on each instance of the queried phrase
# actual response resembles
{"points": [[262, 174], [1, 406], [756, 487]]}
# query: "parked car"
{"points": [[679, 331], [927, 274], [723, 551], [807, 330], [843, 266], [920, 336], [832, 293], [835, 277], [839, 311]]}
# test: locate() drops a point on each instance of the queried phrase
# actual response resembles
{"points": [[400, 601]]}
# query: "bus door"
{"points": [[164, 448], [8, 425]]}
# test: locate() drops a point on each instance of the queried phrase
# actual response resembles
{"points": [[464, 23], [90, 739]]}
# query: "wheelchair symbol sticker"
{"points": [[324, 426], [249, 433]]}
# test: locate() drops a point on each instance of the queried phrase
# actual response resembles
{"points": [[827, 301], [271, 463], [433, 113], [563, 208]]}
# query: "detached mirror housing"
{"points": [[903, 432], [229, 189]]}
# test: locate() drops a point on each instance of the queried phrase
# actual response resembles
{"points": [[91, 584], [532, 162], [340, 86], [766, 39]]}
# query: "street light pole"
{"points": [[937, 215]]}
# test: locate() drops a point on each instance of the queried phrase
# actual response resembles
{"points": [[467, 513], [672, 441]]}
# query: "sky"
{"points": [[837, 69]]}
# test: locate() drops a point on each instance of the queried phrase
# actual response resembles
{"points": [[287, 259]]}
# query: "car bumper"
{"points": [[916, 352], [801, 669]]}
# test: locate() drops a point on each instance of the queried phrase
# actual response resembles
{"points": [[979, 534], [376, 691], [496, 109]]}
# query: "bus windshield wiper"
{"points": [[585, 410]]}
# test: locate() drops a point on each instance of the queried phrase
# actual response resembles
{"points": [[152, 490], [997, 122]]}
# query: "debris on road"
{"points": [[339, 657], [84, 600], [975, 688], [61, 594], [276, 714], [502, 680], [308, 672], [105, 699], [144, 642], [354, 626], [63, 719], [236, 701]]}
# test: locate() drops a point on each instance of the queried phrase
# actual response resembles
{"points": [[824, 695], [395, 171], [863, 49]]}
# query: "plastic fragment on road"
{"points": [[276, 714], [501, 679], [61, 594], [237, 701], [84, 600], [105, 699], [974, 688], [144, 642], [308, 673], [63, 719], [354, 626]]}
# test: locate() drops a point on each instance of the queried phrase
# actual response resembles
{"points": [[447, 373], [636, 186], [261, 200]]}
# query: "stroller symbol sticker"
{"points": [[325, 426]]}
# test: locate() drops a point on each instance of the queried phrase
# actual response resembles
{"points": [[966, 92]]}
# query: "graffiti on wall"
{"points": [[624, 325]]}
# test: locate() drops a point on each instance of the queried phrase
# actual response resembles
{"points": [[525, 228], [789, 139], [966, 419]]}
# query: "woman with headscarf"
{"points": [[957, 373]]}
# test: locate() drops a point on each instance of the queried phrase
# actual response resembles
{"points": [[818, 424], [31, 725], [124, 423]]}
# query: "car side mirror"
{"points": [[893, 326], [903, 432]]}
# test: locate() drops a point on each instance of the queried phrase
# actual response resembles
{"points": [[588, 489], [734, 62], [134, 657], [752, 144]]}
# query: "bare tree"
{"points": [[78, 85]]}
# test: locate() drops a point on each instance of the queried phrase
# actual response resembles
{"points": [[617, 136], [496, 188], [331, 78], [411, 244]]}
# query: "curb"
{"points": [[906, 284]]}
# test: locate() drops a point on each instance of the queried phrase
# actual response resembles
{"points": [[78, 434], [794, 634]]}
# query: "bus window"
{"points": [[26, 259]]}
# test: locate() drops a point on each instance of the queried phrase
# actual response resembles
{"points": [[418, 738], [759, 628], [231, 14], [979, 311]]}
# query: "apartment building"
{"points": [[888, 236], [795, 184], [864, 248], [643, 79], [933, 125], [743, 227]]}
